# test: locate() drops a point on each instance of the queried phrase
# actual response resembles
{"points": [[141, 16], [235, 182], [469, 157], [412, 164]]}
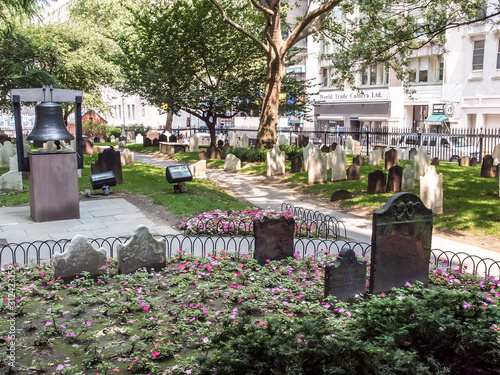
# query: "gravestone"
{"points": [[245, 142], [112, 139], [108, 160], [156, 142], [316, 167], [349, 145], [213, 153], [122, 144], [50, 146], [283, 140], [358, 160], [199, 169], [225, 147], [395, 178], [88, 147], [203, 155], [139, 138], [431, 190], [220, 143], [231, 163], [127, 157], [296, 163], [488, 168], [332, 147], [473, 162], [12, 181], [401, 243], [306, 152], [79, 257], [302, 141], [412, 153], [347, 277], [408, 180], [275, 162], [496, 152], [273, 239], [338, 161], [422, 161], [193, 143], [142, 250], [340, 195], [464, 161], [233, 139], [162, 137], [377, 181], [435, 161], [102, 140], [171, 139], [6, 152], [353, 172], [325, 148], [391, 158], [374, 157], [147, 142]]}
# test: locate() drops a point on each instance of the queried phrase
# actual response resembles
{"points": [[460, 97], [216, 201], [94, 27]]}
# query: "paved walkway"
{"points": [[108, 216]]}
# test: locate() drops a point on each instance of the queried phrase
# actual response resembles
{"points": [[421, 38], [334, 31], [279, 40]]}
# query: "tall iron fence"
{"points": [[447, 146]]}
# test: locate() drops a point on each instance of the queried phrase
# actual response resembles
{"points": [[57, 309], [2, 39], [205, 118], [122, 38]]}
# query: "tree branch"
{"points": [[262, 8], [229, 21]]}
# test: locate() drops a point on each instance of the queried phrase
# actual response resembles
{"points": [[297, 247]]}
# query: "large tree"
{"points": [[370, 32]]}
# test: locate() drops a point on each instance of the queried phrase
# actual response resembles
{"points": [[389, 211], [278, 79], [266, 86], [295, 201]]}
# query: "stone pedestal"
{"points": [[53, 186]]}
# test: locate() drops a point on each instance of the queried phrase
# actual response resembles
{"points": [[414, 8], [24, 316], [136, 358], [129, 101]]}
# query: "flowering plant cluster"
{"points": [[166, 321]]}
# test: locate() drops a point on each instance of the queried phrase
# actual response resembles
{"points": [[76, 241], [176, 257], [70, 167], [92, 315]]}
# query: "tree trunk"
{"points": [[170, 120]]}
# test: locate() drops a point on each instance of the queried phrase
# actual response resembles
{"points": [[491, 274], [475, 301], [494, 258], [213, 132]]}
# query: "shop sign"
{"points": [[349, 96]]}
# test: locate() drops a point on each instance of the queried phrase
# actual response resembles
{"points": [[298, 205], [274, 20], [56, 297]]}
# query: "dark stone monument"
{"points": [[325, 148], [473, 162], [108, 160], [358, 160], [273, 239], [347, 277], [401, 243], [172, 139], [395, 178], [156, 142], [220, 143], [353, 172], [488, 170], [391, 158], [213, 153], [333, 147], [163, 138], [464, 161], [412, 153], [202, 155], [296, 163], [340, 195], [147, 142], [377, 181], [435, 161], [302, 141], [88, 147]]}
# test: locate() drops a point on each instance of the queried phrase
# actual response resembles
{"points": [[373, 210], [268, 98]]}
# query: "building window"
{"points": [[325, 77], [498, 55], [128, 112], [374, 75], [478, 55], [440, 68], [426, 69], [133, 112], [120, 112]]}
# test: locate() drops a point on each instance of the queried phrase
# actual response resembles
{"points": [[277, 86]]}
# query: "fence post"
{"points": [[419, 139], [481, 136], [325, 135], [368, 141]]}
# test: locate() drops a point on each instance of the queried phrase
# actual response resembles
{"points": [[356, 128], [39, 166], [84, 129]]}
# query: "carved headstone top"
{"points": [[347, 277]]}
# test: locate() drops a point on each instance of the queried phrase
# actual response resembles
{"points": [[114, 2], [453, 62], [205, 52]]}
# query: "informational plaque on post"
{"points": [[178, 173]]}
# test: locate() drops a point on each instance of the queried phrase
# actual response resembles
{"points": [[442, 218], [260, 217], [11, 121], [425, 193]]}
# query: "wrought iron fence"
{"points": [[204, 245]]}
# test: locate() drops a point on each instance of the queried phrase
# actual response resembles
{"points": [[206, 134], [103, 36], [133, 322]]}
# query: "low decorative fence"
{"points": [[206, 245]]}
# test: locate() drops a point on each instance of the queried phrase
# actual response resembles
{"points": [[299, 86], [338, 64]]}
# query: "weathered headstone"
{"points": [[332, 147], [353, 172], [473, 162], [199, 169], [156, 142], [283, 140], [391, 158], [147, 142], [171, 139], [142, 250], [435, 161], [377, 181], [358, 160], [296, 163], [193, 143], [122, 144], [233, 139], [349, 145], [374, 157], [325, 148], [422, 161], [338, 164], [79, 257], [302, 141], [203, 155], [139, 138], [245, 142], [347, 277], [127, 157], [340, 195], [305, 152], [488, 169], [464, 161], [401, 243], [395, 178], [49, 146], [496, 152], [316, 167], [275, 162], [431, 190], [220, 143], [112, 138], [12, 181], [108, 160], [273, 239], [213, 153], [408, 180], [232, 163], [412, 153]]}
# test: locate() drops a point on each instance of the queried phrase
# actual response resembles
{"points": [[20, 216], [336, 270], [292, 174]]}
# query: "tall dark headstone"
{"points": [[172, 139], [108, 160], [302, 141], [395, 178], [473, 162], [391, 158], [358, 160], [401, 243], [147, 142], [220, 143], [353, 172], [377, 181], [488, 170], [464, 161], [156, 142], [347, 277], [333, 147], [273, 239], [435, 161], [213, 153], [296, 163], [325, 148], [163, 138]]}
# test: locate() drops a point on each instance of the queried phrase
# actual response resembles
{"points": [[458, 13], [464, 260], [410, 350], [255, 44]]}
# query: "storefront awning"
{"points": [[436, 119], [334, 118]]}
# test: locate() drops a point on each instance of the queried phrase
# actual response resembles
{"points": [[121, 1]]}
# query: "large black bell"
{"points": [[49, 123]]}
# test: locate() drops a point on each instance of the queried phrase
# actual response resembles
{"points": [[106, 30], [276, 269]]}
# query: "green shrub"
{"points": [[111, 130], [252, 154]]}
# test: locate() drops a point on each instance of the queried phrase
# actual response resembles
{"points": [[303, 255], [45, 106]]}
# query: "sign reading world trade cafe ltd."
{"points": [[352, 96]]}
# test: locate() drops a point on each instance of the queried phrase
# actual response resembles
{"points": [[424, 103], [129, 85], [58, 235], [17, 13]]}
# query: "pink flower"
{"points": [[89, 323], [205, 310]]}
